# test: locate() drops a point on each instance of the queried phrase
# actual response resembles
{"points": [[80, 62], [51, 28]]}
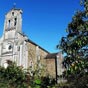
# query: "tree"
{"points": [[75, 44], [75, 47]]}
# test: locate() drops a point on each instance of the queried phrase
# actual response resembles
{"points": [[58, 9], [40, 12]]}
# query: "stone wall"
{"points": [[31, 54], [36, 57], [51, 70]]}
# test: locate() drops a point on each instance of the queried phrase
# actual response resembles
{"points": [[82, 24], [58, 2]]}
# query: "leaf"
{"points": [[38, 81]]}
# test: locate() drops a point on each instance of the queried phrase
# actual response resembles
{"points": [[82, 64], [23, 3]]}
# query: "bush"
{"points": [[13, 77]]}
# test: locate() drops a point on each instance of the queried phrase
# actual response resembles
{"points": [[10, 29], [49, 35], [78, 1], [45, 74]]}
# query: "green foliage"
{"points": [[75, 47], [47, 82], [37, 81], [12, 77], [75, 44]]}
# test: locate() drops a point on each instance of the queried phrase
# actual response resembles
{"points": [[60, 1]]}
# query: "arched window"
{"points": [[9, 23], [15, 21], [12, 13]]}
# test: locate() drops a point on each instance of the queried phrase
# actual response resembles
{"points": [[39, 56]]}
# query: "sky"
{"points": [[43, 21]]}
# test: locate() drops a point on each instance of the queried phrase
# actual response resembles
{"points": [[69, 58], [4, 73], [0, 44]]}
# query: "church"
{"points": [[17, 47]]}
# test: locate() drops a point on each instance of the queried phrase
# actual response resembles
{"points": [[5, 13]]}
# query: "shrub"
{"points": [[13, 77]]}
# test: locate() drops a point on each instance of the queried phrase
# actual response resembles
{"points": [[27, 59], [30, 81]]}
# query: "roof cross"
{"points": [[14, 5]]}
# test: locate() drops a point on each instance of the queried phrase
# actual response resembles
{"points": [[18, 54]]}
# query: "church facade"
{"points": [[16, 47]]}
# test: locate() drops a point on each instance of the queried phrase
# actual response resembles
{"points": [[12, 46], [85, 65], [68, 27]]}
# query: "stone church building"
{"points": [[16, 47]]}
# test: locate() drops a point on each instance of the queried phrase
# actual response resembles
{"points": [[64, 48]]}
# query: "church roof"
{"points": [[51, 55], [28, 40], [54, 55]]}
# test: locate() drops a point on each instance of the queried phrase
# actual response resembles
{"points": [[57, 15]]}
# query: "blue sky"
{"points": [[44, 21]]}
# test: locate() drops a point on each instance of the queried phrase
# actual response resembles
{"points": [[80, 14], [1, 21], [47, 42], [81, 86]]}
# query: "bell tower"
{"points": [[12, 38], [13, 23]]}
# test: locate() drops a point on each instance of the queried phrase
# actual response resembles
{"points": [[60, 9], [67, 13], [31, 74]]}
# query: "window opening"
{"points": [[9, 24], [12, 13], [15, 21], [10, 47]]}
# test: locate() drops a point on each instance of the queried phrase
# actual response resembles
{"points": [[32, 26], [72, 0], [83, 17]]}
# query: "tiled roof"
{"points": [[51, 55]]}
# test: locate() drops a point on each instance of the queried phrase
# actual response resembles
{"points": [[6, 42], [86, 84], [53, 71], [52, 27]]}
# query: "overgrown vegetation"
{"points": [[16, 77]]}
